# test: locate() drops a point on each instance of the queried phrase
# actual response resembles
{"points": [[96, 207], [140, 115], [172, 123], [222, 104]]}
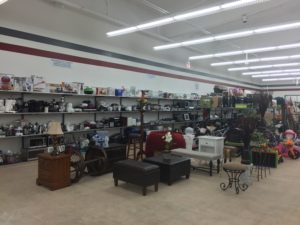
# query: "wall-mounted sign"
{"points": [[150, 76], [61, 63]]}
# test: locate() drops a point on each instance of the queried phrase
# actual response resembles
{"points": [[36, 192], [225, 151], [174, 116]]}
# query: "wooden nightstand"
{"points": [[53, 171]]}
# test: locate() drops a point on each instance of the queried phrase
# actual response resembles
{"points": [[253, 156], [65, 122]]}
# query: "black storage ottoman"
{"points": [[138, 173]]}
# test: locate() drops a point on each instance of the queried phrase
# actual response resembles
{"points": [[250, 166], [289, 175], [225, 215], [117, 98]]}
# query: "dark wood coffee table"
{"points": [[172, 169]]}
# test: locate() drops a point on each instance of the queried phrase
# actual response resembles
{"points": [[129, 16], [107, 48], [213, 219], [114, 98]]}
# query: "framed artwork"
{"points": [[186, 116]]}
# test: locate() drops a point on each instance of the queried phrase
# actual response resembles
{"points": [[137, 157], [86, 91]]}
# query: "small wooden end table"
{"points": [[53, 171]]}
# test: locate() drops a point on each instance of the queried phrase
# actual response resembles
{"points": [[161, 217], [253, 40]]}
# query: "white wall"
{"points": [[39, 17], [35, 16]]}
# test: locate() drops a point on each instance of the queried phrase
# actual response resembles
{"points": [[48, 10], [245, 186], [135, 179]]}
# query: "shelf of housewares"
{"points": [[21, 95], [121, 113]]}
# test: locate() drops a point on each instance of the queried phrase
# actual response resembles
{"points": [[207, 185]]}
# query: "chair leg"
{"points": [[116, 182]]}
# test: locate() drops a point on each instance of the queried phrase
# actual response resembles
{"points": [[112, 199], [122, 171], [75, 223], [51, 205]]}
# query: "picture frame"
{"points": [[186, 116]]}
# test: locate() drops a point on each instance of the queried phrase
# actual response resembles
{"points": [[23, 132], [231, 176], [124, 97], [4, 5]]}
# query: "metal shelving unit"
{"points": [[197, 112]]}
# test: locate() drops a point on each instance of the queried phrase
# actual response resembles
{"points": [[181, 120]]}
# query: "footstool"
{"points": [[234, 171], [138, 173]]}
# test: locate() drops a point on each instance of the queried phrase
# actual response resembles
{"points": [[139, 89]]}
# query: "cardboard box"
{"points": [[72, 87], [205, 102], [216, 101], [39, 84]]}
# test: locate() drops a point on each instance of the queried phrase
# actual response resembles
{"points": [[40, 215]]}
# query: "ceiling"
{"points": [[134, 12]]}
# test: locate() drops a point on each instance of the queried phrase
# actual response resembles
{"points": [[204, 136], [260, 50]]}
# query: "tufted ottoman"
{"points": [[136, 172]]}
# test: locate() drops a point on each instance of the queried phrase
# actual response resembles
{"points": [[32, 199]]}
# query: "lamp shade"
{"points": [[54, 128]]}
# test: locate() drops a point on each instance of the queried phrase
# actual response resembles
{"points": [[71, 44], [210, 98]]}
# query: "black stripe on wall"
{"points": [[83, 48]]}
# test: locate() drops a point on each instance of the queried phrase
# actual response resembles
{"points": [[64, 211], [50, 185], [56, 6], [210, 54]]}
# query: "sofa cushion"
{"points": [[155, 143]]}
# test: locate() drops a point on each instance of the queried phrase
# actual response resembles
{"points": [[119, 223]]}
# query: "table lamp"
{"points": [[54, 130]]}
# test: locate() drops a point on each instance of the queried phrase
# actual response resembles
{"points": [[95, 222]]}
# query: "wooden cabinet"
{"points": [[53, 171]]}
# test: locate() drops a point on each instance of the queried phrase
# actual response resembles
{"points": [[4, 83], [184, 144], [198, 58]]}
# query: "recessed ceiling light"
{"points": [[246, 51], [270, 72], [266, 59], [185, 16], [263, 66], [246, 33], [3, 1]]}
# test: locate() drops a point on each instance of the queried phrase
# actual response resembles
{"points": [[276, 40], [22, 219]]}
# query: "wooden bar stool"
{"points": [[134, 144], [228, 152]]}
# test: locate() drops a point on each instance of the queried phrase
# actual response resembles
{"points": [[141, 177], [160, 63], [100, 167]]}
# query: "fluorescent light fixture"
{"points": [[246, 61], [246, 51], [194, 42], [198, 13], [232, 5], [3, 1], [175, 45], [281, 79], [185, 16], [233, 35], [277, 28], [155, 23], [122, 31], [234, 62], [263, 66], [276, 75], [270, 72]]}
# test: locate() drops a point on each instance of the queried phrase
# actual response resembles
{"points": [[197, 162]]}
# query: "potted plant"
{"points": [[262, 101], [247, 124], [258, 139]]}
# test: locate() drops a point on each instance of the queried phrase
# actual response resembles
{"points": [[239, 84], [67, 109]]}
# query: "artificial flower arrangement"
{"points": [[168, 138]]}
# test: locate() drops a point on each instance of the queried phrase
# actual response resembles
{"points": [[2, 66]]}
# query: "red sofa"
{"points": [[155, 142]]}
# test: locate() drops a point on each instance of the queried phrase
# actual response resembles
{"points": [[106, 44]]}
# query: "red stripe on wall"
{"points": [[88, 61]]}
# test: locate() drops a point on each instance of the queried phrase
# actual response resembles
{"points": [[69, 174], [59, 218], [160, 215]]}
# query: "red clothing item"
{"points": [[155, 142]]}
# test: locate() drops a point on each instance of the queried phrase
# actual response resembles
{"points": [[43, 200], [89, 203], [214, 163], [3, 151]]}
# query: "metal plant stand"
{"points": [[234, 178]]}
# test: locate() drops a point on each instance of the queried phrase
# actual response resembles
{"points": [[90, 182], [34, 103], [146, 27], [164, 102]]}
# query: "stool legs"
{"points": [[141, 150], [227, 155], [131, 146], [234, 177]]}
